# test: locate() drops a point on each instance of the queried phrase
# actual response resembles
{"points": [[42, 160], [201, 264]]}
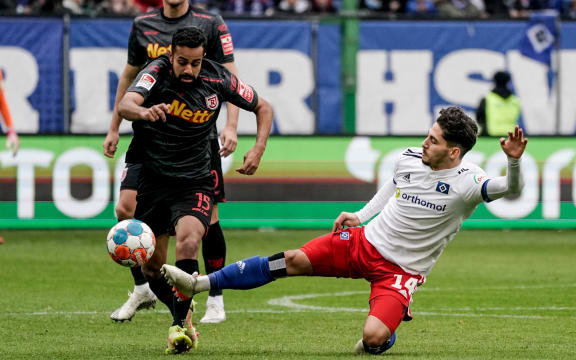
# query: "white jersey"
{"points": [[426, 211]]}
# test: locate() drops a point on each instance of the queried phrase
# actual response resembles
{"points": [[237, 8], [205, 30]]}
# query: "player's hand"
{"points": [[12, 142], [229, 140], [515, 145], [345, 219], [110, 144], [251, 161], [155, 113]]}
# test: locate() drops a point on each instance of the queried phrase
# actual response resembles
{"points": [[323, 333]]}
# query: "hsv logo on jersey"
{"points": [[146, 82], [442, 187], [245, 91], [179, 109], [344, 236], [212, 101], [227, 45], [154, 50]]}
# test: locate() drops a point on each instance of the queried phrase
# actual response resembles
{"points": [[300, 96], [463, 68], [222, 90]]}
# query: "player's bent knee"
{"points": [[297, 263], [375, 339]]}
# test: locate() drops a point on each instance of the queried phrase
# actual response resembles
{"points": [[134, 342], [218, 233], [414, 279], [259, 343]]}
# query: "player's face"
{"points": [[174, 3], [436, 152], [187, 62]]}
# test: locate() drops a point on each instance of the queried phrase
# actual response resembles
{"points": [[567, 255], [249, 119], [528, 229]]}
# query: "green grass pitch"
{"points": [[492, 295]]}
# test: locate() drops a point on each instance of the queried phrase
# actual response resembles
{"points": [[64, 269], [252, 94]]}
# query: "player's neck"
{"points": [[177, 11], [446, 165]]}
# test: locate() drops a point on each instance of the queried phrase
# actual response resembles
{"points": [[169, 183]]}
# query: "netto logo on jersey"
{"points": [[154, 50], [414, 199], [179, 109]]}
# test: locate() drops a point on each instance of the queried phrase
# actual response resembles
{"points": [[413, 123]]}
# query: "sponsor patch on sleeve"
{"points": [[245, 91], [146, 81], [227, 45]]}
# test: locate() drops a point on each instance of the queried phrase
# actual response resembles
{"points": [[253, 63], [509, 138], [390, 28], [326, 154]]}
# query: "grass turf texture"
{"points": [[493, 295]]}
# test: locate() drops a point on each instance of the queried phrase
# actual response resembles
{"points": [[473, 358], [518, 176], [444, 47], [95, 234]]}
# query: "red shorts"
{"points": [[348, 254]]}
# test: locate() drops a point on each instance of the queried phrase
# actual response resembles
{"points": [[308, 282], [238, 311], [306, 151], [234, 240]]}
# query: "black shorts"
{"points": [[162, 201], [216, 171], [130, 176]]}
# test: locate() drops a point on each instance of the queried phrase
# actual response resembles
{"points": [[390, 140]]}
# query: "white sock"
{"points": [[215, 300], [142, 289]]}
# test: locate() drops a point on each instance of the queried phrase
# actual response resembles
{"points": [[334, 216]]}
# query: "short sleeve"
{"points": [[220, 47], [148, 77], [238, 92], [136, 52]]}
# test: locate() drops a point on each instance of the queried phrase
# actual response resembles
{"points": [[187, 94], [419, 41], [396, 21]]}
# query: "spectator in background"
{"points": [[293, 6], [420, 8], [323, 7], [117, 7], [7, 6], [388, 6], [250, 7], [460, 8], [499, 111]]}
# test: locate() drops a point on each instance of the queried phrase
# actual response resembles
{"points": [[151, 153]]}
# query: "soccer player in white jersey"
{"points": [[417, 213]]}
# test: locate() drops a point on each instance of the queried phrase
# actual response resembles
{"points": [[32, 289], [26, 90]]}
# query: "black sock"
{"points": [[139, 278], [214, 252], [181, 307], [163, 292], [277, 264]]}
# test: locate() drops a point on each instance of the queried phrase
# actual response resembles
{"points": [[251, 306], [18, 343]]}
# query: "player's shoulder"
{"points": [[148, 17], [470, 173], [410, 155], [203, 15], [212, 71]]}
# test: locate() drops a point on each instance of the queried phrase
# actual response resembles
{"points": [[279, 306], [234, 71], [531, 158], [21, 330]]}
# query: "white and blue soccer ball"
{"points": [[131, 243]]}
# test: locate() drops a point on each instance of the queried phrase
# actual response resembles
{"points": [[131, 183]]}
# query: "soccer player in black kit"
{"points": [[150, 37], [174, 103]]}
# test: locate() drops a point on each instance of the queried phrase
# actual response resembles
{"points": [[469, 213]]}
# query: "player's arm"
{"points": [[373, 207], [264, 115], [130, 108], [12, 140], [111, 141], [510, 184], [229, 135]]}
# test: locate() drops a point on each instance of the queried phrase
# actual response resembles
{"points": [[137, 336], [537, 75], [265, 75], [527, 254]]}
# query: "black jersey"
{"points": [[180, 146], [151, 35]]}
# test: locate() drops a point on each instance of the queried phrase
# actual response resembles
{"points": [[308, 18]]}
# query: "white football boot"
{"points": [[214, 310], [141, 298]]}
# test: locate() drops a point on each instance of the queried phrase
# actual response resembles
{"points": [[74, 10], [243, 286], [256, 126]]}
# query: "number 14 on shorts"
{"points": [[406, 285]]}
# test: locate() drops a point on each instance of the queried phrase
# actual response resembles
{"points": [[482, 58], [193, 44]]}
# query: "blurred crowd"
{"points": [[409, 8]]}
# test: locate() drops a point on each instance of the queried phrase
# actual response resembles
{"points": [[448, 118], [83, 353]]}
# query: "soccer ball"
{"points": [[131, 243]]}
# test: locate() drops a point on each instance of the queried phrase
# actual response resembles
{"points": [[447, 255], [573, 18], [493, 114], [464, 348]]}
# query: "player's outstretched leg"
{"points": [[244, 274], [141, 298]]}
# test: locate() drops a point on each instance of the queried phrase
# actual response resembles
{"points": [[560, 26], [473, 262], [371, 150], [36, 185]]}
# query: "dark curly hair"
{"points": [[190, 36], [458, 128]]}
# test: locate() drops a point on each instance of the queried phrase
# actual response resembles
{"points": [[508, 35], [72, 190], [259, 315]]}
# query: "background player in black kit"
{"points": [[150, 37], [174, 102]]}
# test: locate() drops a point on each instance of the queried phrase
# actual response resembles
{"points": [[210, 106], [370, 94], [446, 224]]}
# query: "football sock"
{"points": [[181, 307], [249, 273], [214, 252], [163, 292], [139, 278]]}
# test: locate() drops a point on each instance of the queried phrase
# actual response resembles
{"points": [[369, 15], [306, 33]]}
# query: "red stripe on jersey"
{"points": [[212, 80], [146, 16], [202, 16], [150, 32]]}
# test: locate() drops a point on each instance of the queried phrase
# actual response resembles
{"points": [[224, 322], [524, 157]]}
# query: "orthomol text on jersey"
{"points": [[180, 110], [416, 200], [154, 50]]}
